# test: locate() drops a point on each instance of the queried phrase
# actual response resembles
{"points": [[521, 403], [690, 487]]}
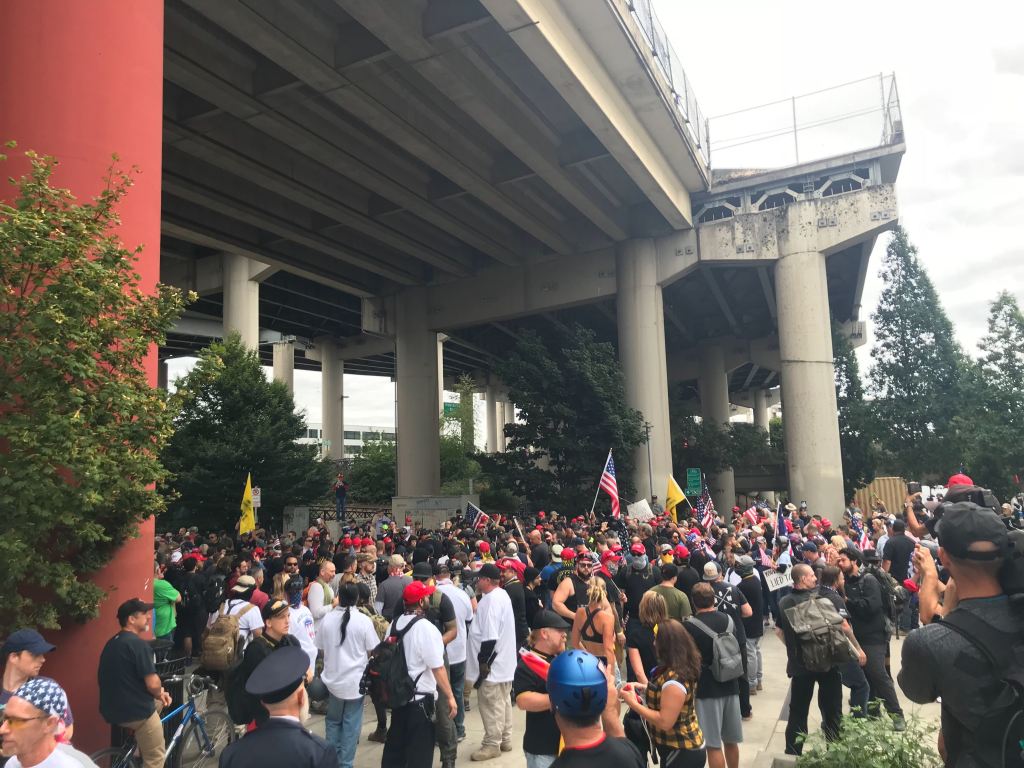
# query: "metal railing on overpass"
{"points": [[672, 69], [858, 115]]}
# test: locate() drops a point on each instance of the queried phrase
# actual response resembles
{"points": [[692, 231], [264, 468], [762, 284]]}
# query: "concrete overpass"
{"points": [[396, 189]]}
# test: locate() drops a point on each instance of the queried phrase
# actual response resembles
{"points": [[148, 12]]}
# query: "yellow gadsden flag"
{"points": [[248, 520], [673, 496]]}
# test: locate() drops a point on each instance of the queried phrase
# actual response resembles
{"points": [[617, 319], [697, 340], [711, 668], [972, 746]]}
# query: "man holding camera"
{"points": [[965, 658]]}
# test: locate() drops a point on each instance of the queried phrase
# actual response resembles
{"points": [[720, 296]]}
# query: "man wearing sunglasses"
{"points": [[31, 722]]}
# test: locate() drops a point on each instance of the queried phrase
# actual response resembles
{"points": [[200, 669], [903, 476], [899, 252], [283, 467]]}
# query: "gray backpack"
{"points": [[726, 658], [818, 629]]}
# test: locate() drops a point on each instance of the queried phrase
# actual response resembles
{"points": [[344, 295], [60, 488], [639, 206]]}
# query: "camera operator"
{"points": [[965, 658]]}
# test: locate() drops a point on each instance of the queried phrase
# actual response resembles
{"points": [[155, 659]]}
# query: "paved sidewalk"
{"points": [[763, 733]]}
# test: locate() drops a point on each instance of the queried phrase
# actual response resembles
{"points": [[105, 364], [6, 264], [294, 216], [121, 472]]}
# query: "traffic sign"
{"points": [[693, 484], [450, 408], [255, 497]]}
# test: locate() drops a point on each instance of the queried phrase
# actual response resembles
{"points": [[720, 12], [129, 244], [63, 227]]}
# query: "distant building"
{"points": [[356, 436]]}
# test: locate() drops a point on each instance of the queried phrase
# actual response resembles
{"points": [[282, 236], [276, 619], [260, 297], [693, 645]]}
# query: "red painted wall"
{"points": [[82, 81]]}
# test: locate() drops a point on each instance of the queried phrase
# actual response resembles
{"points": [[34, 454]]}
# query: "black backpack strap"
{"points": [[398, 634], [990, 641]]}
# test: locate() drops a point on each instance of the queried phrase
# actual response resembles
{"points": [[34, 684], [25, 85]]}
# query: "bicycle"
{"points": [[197, 741]]}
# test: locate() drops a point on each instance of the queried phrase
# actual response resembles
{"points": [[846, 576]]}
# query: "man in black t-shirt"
{"points": [[530, 691], [753, 625], [896, 562], [729, 599], [587, 716], [130, 689], [718, 704], [636, 578], [688, 575]]}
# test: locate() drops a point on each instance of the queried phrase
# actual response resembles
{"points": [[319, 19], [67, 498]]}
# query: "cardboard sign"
{"points": [[776, 581], [640, 511], [256, 497]]}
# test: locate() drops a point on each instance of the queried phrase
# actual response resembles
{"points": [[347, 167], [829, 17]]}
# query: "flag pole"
{"points": [[594, 503]]}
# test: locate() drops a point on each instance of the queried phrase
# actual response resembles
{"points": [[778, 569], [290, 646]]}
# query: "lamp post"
{"points": [[650, 468]]}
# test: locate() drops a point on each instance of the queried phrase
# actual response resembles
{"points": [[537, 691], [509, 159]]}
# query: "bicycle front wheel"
{"points": [[204, 739], [115, 757]]}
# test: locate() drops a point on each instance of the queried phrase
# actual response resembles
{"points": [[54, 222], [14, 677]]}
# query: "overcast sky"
{"points": [[960, 71]]}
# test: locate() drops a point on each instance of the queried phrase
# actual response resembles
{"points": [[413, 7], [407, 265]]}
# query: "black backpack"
{"points": [[387, 673], [894, 596], [1000, 735], [213, 593]]}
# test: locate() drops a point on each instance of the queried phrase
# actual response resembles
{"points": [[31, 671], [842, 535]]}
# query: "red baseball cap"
{"points": [[511, 564], [959, 479], [485, 547], [387, 539], [638, 549], [568, 553], [609, 555], [681, 551], [367, 542], [347, 541], [416, 591]]}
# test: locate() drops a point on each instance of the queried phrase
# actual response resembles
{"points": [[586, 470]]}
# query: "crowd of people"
{"points": [[578, 622]]}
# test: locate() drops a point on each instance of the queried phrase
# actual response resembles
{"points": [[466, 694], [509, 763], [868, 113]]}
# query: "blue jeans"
{"points": [[855, 679], [339, 508], [343, 723], [538, 761], [909, 618], [457, 678]]}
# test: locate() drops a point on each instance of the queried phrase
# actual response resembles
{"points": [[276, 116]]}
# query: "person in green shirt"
{"points": [[165, 597], [676, 601]]}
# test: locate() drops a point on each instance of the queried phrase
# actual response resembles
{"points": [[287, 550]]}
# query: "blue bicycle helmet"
{"points": [[577, 684]]}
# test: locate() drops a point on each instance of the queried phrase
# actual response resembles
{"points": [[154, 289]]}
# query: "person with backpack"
{"points": [[414, 681], [808, 663], [347, 638], [729, 599], [718, 693], [973, 658], [864, 604], [243, 707], [231, 628]]}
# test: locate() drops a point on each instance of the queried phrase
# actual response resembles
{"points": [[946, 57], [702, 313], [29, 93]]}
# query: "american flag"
{"points": [[475, 517], [863, 539], [751, 515], [610, 485], [706, 509], [766, 560]]}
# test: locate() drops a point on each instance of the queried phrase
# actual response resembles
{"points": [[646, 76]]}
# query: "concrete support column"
{"points": [[419, 442], [284, 363], [810, 414], [82, 81], [714, 407], [441, 339], [641, 321], [241, 300], [508, 416], [332, 394], [491, 409], [760, 400]]}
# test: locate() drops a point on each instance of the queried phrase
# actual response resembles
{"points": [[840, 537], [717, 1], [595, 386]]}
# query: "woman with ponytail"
{"points": [[346, 636]]}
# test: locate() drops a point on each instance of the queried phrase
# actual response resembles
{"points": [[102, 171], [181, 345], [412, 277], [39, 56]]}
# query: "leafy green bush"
{"points": [[870, 743]]}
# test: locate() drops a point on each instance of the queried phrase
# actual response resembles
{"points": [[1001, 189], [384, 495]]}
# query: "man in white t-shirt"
{"points": [[410, 740], [346, 637], [491, 661], [457, 647], [250, 623], [32, 718]]}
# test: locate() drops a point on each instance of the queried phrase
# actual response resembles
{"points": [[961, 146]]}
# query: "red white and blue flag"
{"points": [[706, 509], [860, 532], [610, 485], [751, 515], [475, 517]]}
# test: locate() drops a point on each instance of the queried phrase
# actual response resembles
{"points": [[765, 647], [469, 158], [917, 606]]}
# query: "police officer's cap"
{"points": [[279, 675]]}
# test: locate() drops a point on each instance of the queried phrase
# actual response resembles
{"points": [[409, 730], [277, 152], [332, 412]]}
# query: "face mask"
{"points": [[640, 562]]}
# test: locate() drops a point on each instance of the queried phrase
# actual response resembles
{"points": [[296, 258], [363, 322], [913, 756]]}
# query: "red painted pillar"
{"points": [[82, 81]]}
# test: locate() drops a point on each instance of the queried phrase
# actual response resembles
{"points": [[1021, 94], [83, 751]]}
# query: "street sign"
{"points": [[255, 497], [450, 408], [693, 485]]}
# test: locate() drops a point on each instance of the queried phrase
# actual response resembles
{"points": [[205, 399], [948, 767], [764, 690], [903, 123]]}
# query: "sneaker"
{"points": [[379, 735], [485, 753], [899, 724], [460, 737], [753, 691], [759, 687], [748, 717], [506, 746]]}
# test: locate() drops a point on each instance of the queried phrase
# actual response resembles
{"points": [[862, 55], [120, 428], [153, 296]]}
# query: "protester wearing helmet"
{"points": [[587, 715]]}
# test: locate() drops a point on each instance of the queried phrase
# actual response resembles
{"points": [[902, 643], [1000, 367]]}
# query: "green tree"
{"points": [[81, 428], [993, 422], [371, 476], [569, 391], [915, 378], [230, 420], [856, 425]]}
